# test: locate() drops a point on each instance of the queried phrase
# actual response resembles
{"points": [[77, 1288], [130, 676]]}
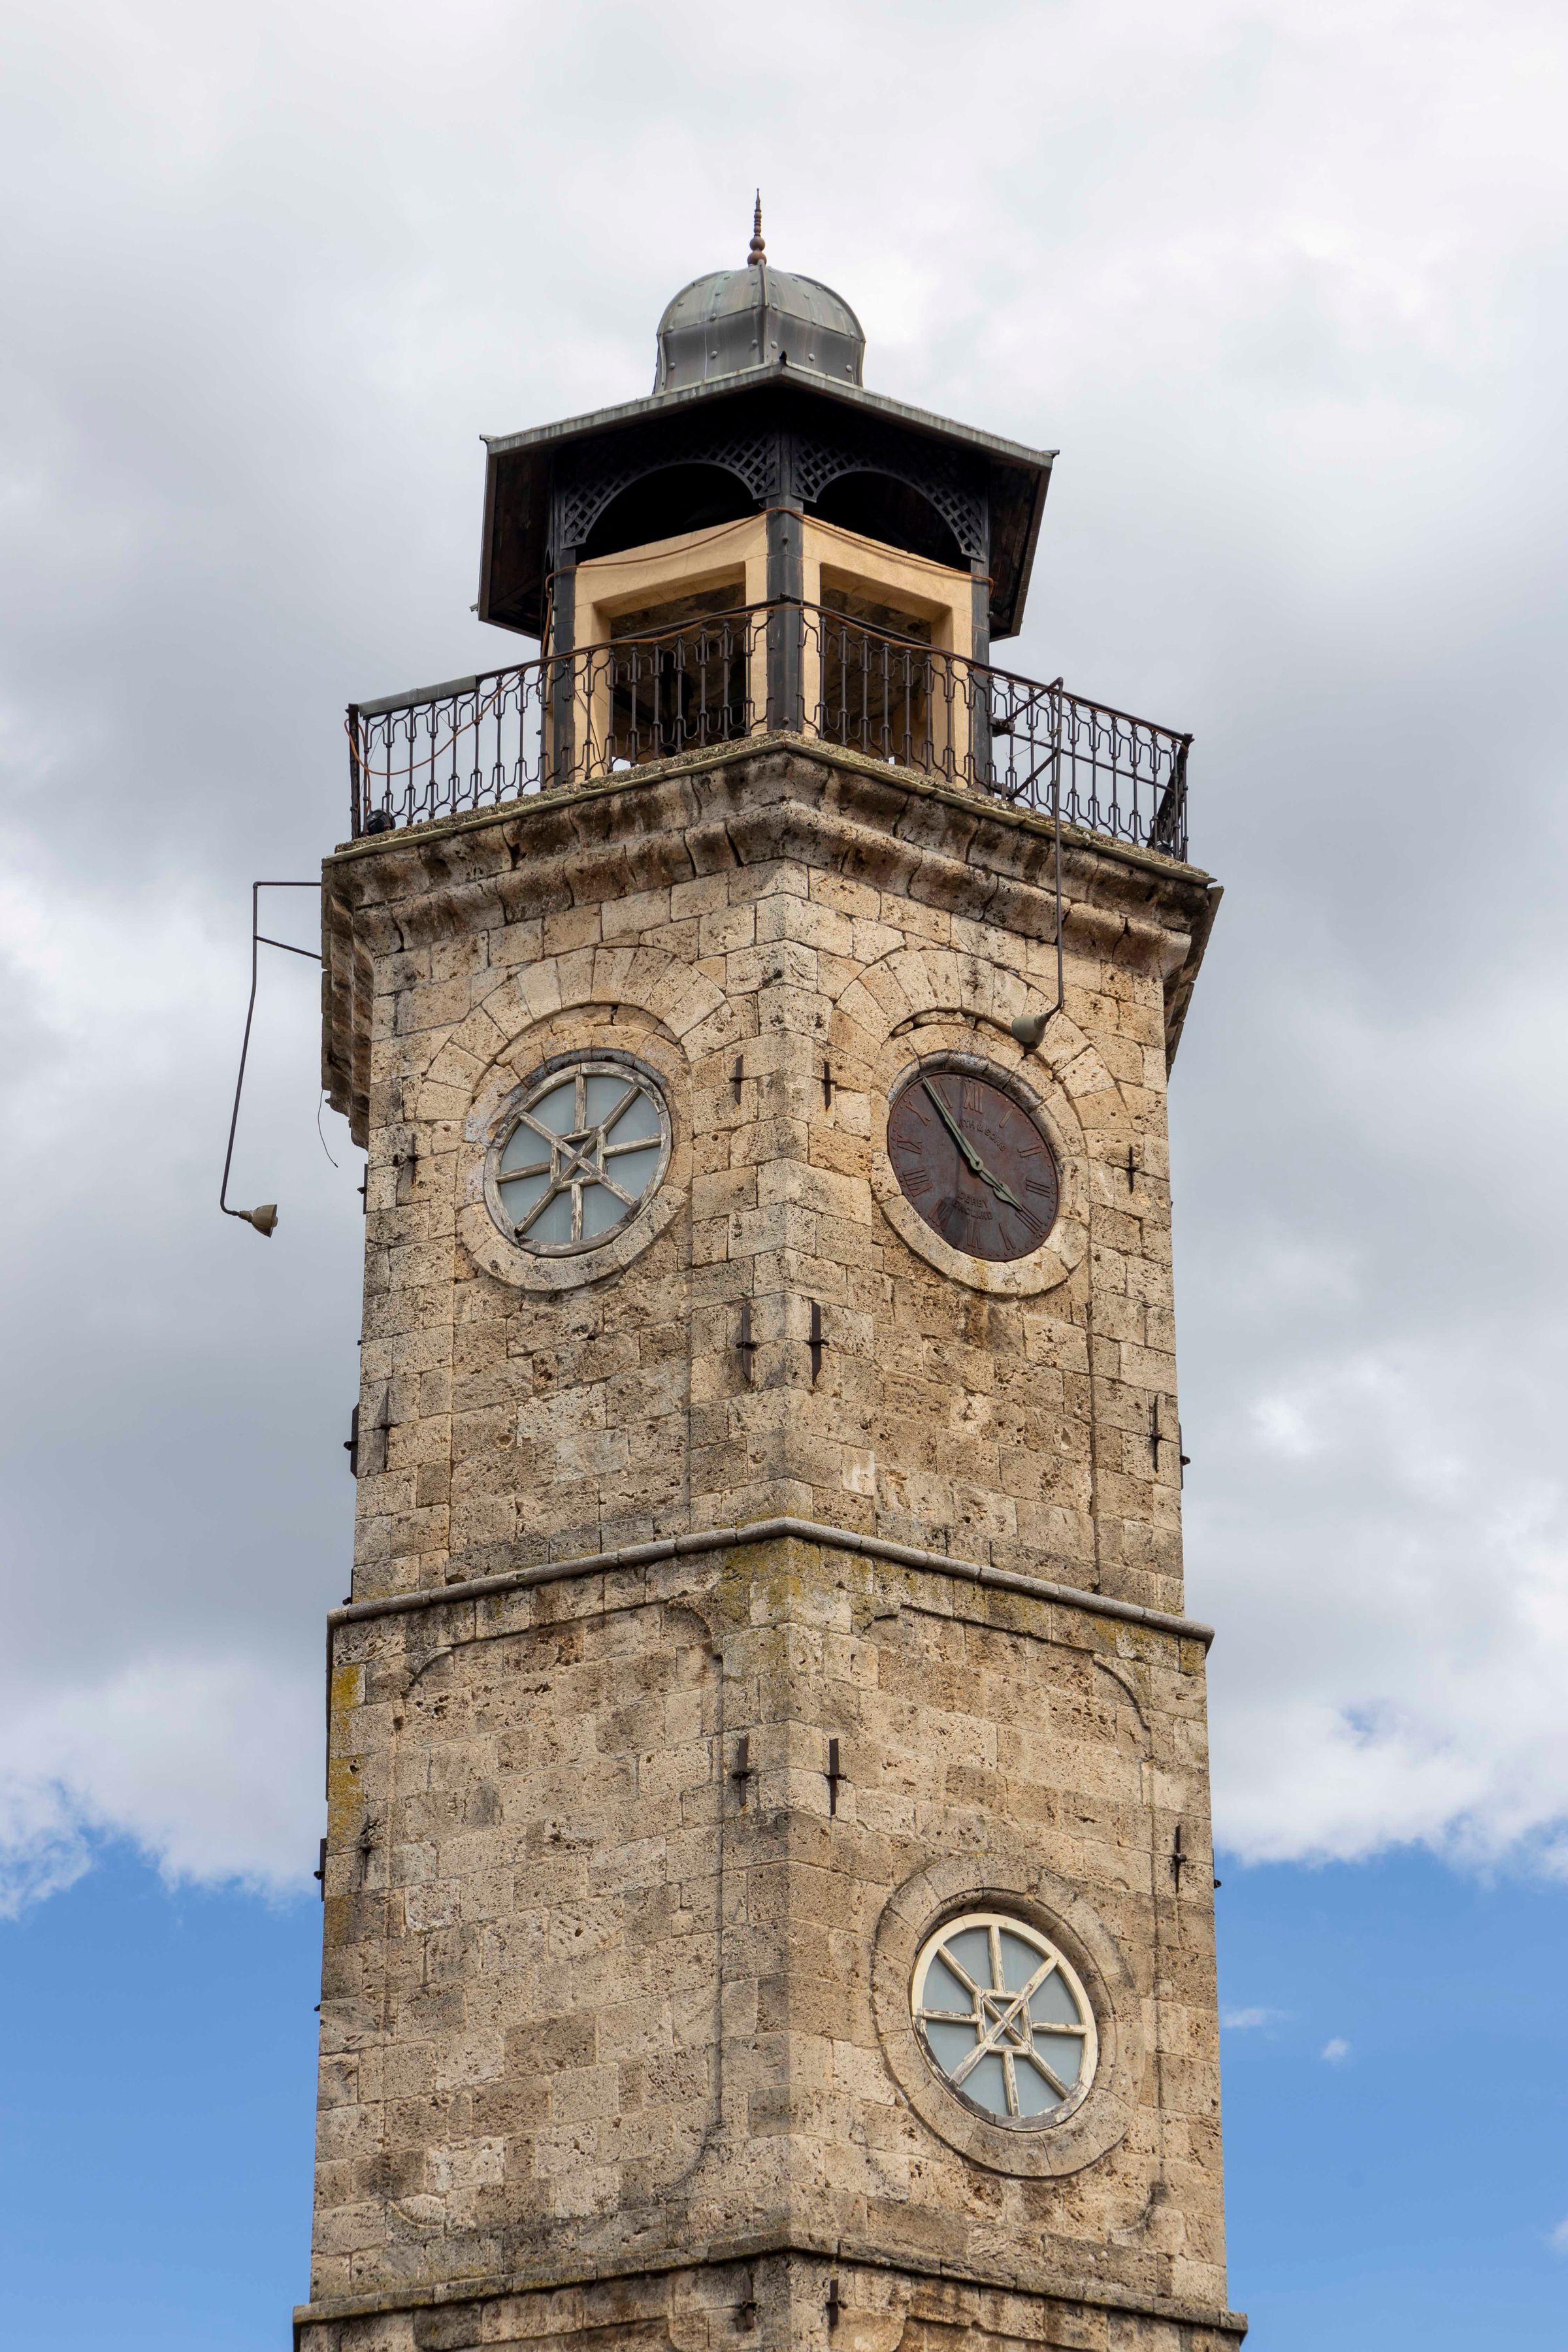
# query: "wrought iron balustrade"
{"points": [[573, 719]]}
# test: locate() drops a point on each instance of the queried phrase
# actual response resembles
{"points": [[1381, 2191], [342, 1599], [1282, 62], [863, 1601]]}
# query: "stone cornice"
{"points": [[548, 2277], [986, 816], [709, 1539], [740, 804]]}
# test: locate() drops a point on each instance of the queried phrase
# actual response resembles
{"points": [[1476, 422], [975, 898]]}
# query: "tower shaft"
{"points": [[744, 1601]]}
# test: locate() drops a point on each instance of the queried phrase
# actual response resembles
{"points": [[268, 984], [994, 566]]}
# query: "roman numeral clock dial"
{"points": [[973, 1163]]}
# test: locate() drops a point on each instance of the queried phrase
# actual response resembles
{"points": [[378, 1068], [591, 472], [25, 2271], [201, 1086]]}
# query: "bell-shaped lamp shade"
{"points": [[263, 1218]]}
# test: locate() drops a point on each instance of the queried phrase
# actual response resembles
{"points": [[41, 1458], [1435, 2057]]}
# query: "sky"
{"points": [[1287, 286]]}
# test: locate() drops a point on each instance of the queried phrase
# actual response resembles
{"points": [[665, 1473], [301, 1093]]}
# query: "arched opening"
{"points": [[879, 507], [664, 504]]}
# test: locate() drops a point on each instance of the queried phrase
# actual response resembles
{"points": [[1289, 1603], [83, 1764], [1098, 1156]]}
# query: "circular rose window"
{"points": [[584, 1147], [1003, 2019]]}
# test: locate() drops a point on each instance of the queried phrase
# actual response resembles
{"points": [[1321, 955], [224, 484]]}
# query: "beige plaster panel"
{"points": [[609, 585]]}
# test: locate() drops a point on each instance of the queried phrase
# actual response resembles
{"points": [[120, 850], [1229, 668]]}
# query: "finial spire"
{"points": [[759, 252]]}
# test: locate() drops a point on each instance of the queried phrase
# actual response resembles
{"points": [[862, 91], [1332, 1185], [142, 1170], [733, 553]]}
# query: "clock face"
{"points": [[581, 1153], [973, 1163]]}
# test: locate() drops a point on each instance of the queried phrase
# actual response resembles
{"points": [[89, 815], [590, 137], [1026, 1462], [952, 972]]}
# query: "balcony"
{"points": [[570, 720]]}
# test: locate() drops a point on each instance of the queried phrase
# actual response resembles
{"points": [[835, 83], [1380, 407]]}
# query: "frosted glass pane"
{"points": [[987, 2085], [942, 1989], [1019, 1962], [972, 1952], [553, 1222], [950, 2045], [639, 1119], [1062, 2053], [525, 1149], [601, 1209], [1036, 2096], [1052, 2004], [601, 1095], [519, 1195], [634, 1171], [554, 1110]]}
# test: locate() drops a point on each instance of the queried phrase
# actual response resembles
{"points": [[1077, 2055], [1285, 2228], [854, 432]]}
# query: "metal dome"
{"points": [[753, 317]]}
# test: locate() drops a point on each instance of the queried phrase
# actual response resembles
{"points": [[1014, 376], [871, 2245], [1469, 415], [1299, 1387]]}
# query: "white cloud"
{"points": [[212, 1767], [161, 1440], [1243, 2021], [1336, 2051], [1286, 285], [1378, 1520], [1393, 1591], [1558, 2241]]}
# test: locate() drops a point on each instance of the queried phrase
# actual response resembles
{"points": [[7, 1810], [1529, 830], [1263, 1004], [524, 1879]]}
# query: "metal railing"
{"points": [[574, 718]]}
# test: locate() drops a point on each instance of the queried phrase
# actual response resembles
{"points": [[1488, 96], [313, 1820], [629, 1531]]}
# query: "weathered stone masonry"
{"points": [[614, 2001]]}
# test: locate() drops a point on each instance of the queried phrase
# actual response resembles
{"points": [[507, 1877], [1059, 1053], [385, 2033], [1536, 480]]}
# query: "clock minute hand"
{"points": [[1003, 1192], [953, 1129]]}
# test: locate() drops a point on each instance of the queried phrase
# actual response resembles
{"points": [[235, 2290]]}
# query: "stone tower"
{"points": [[768, 1893]]}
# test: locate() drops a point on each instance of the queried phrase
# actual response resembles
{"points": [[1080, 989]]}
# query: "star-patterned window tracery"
{"points": [[586, 1148], [1004, 2018]]}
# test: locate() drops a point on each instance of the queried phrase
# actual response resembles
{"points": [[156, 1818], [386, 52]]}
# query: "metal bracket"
{"points": [[265, 1218], [833, 1776], [1158, 1437]]}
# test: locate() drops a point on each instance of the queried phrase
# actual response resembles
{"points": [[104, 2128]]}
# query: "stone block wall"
{"points": [[617, 2043], [601, 1976], [779, 937]]}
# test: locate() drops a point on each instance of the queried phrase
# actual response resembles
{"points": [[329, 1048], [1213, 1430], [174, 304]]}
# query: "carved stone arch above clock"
{"points": [[924, 1005], [638, 1012], [1010, 1884]]}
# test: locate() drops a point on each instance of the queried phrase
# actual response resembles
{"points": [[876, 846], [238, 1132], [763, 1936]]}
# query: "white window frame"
{"points": [[1004, 2027]]}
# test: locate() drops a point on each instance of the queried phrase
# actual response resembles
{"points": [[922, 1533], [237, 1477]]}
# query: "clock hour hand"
{"points": [[1003, 1192]]}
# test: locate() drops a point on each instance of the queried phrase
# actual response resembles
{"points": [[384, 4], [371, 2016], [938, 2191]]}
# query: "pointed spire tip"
{"points": [[759, 252]]}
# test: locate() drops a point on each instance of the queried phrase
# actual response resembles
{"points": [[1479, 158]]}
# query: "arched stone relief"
{"points": [[918, 1002], [505, 1801], [1123, 1682], [638, 1002], [1015, 1883]]}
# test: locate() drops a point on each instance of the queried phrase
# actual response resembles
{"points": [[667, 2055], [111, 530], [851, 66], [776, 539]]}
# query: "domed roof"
{"points": [[753, 317]]}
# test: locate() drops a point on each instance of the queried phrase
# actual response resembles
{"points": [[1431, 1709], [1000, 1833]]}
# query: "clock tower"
{"points": [[768, 1892]]}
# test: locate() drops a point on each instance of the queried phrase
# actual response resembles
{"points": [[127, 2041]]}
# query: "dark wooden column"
{"points": [[979, 696], [786, 588], [559, 713]]}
